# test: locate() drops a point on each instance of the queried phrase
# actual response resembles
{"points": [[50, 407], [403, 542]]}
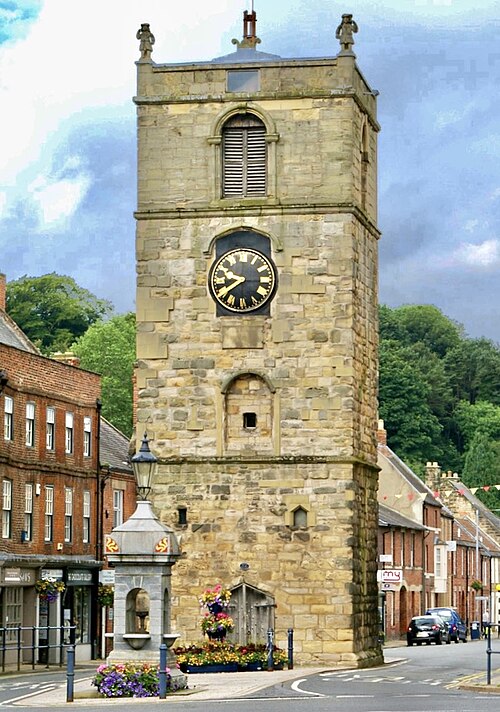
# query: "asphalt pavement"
{"points": [[219, 686]]}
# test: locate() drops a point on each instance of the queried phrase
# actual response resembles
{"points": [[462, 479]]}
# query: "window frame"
{"points": [[8, 418], [28, 510], [87, 436], [69, 433], [50, 428], [87, 501], [48, 525], [68, 515], [118, 500], [30, 424], [6, 508]]}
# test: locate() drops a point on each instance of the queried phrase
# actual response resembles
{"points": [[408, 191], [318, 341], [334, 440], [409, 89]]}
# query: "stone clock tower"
{"points": [[257, 338]]}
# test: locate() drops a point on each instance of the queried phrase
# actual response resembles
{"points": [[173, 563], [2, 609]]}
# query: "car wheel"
{"points": [[439, 640], [465, 639]]}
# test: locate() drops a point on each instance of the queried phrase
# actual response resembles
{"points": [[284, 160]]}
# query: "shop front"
{"points": [[17, 612]]}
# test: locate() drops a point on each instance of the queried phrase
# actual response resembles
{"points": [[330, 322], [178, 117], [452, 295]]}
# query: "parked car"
{"points": [[427, 629], [458, 629]]}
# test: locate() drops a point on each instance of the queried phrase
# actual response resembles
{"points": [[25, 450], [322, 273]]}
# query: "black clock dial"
{"points": [[242, 280]]}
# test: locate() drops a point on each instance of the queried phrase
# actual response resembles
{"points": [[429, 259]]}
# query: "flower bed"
{"points": [[244, 656], [133, 681]]}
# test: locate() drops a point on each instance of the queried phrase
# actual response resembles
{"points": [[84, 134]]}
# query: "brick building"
{"points": [[431, 546], [54, 490]]}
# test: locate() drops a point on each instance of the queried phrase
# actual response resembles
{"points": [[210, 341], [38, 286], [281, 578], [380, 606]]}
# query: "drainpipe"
{"points": [[98, 538]]}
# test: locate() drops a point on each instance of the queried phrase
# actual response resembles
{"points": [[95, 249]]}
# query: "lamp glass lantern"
{"points": [[144, 466]]}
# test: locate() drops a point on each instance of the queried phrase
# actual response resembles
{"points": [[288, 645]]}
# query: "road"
{"points": [[426, 680]]}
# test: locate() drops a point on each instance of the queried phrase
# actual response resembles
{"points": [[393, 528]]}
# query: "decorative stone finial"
{"points": [[344, 34], [147, 40], [250, 38]]}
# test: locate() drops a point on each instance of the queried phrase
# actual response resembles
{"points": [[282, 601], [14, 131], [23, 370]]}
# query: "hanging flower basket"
{"points": [[476, 585], [105, 594], [216, 625], [215, 597], [49, 589]]}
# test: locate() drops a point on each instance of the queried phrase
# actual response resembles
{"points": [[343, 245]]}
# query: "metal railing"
{"points": [[39, 640]]}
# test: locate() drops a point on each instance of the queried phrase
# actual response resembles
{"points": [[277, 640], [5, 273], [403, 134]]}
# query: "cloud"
{"points": [[58, 201], [484, 254]]}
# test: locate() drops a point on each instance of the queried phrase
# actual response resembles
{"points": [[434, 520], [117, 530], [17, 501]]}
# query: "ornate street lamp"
{"points": [[144, 467]]}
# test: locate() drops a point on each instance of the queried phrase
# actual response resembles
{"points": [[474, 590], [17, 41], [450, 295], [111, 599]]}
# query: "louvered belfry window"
{"points": [[244, 157]]}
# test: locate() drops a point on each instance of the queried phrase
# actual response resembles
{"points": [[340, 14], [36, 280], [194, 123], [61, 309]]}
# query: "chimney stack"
{"points": [[381, 433]]}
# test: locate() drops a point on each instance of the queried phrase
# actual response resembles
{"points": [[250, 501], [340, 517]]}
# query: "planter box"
{"points": [[227, 667], [252, 667]]}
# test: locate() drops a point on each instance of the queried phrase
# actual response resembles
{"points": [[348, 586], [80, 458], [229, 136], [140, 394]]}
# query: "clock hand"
{"points": [[227, 288]]}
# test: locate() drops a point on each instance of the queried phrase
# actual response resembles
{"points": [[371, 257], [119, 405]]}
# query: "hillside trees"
{"points": [[108, 348], [439, 393], [53, 310]]}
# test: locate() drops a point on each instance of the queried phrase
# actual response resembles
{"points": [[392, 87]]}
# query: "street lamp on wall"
{"points": [[144, 466]]}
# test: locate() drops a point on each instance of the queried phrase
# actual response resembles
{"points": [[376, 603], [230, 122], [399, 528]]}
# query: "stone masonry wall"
{"points": [[312, 364]]}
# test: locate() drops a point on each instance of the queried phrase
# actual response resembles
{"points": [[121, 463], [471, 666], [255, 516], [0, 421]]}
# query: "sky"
{"points": [[68, 138]]}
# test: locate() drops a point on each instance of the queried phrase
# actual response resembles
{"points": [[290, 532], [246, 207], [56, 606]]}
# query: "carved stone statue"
{"points": [[147, 40], [345, 32]]}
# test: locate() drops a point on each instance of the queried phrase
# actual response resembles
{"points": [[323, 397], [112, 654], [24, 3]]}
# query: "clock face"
{"points": [[242, 280]]}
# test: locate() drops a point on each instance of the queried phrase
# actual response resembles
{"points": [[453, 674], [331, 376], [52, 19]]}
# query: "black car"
{"points": [[427, 629], [458, 629]]}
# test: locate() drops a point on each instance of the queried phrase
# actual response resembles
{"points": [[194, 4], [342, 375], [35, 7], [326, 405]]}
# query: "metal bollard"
{"points": [[290, 648], [163, 672], [270, 649], [70, 673]]}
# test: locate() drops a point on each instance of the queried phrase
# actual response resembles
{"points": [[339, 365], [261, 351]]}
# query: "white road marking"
{"points": [[295, 686]]}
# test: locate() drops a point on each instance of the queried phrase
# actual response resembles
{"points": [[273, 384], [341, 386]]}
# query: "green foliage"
{"points": [[108, 348], [53, 310], [482, 468], [473, 369], [438, 388], [425, 324]]}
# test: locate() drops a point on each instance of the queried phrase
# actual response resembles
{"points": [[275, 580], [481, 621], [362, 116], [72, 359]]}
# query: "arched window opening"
{"points": [[300, 517], [244, 157]]}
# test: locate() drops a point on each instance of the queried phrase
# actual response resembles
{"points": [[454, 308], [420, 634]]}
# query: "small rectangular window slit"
{"points": [[182, 515], [249, 420]]}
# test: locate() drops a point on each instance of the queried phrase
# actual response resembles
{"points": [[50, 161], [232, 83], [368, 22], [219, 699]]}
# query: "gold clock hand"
{"points": [[225, 290]]}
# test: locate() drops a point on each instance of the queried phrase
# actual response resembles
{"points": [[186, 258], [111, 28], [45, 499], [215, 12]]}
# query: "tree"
{"points": [[426, 324], [108, 348], [53, 310], [482, 468], [413, 430], [473, 368]]}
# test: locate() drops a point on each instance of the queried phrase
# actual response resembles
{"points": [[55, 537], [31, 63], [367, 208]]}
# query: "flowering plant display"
{"points": [[105, 594], [476, 585], [217, 594], [219, 653], [49, 588], [128, 680], [216, 624], [207, 654]]}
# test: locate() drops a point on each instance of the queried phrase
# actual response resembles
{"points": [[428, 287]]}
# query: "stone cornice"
{"points": [[232, 211], [269, 459]]}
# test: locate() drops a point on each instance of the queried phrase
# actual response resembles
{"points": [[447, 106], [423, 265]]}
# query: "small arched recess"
{"points": [[248, 414]]}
